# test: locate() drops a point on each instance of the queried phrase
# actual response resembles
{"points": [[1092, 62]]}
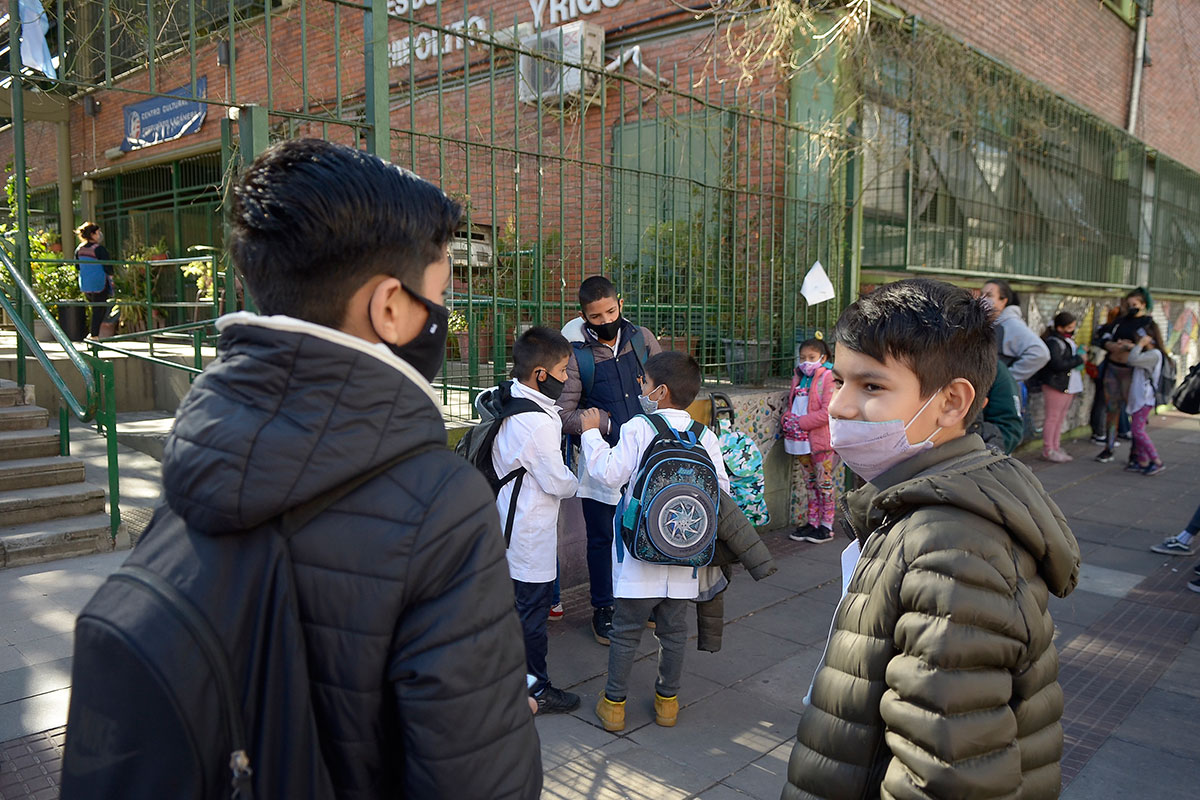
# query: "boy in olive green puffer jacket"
{"points": [[940, 679]]}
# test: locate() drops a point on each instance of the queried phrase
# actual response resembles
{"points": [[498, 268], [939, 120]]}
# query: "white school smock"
{"points": [[615, 467], [532, 440]]}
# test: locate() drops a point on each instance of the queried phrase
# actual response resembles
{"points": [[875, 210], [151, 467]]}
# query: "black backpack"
{"points": [[495, 406], [672, 512], [1187, 394], [1166, 381], [157, 707]]}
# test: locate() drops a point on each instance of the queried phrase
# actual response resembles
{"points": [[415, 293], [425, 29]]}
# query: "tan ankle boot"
{"points": [[666, 710], [611, 714]]}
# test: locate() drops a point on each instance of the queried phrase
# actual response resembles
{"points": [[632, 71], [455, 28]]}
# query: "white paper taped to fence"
{"points": [[816, 287]]}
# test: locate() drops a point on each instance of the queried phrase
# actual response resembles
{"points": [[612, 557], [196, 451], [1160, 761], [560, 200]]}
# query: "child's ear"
{"points": [[956, 402]]}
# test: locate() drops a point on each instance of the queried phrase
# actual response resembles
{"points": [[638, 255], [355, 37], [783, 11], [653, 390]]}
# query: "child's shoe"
{"points": [[666, 710], [820, 535], [1154, 469], [802, 532], [602, 624], [1064, 455], [556, 612], [553, 700], [611, 713]]}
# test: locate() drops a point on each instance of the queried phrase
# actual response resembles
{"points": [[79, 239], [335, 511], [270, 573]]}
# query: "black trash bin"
{"points": [[74, 322]]}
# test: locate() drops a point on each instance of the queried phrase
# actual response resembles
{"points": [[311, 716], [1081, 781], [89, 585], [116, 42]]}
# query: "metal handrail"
{"points": [[85, 410], [98, 379]]}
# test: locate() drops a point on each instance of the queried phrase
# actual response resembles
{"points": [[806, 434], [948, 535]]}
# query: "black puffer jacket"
{"points": [[1057, 372], [415, 654]]}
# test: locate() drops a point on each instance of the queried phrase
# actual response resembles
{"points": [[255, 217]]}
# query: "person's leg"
{"points": [[1123, 424], [1056, 411], [598, 519], [1112, 406], [557, 597], [1097, 418], [629, 620], [811, 492], [97, 309], [826, 468], [1147, 454], [671, 615], [1193, 527], [533, 604]]}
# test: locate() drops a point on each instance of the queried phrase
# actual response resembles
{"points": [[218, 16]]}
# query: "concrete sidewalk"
{"points": [[1127, 637]]}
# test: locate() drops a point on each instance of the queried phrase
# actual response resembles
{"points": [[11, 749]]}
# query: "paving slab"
{"points": [[622, 770], [639, 704], [720, 792], [566, 737], [721, 734], [786, 683], [763, 779], [1161, 711], [745, 651], [1132, 559], [1121, 770], [746, 596], [1081, 607], [37, 713], [25, 682], [804, 620]]}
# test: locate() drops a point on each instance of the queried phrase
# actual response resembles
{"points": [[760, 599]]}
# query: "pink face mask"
{"points": [[872, 448], [808, 368]]}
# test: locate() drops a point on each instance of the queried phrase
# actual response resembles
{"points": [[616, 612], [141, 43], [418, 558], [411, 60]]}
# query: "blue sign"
{"points": [[164, 119]]}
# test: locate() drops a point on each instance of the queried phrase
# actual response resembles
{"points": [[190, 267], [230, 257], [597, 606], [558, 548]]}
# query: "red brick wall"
{"points": [[1170, 107]]}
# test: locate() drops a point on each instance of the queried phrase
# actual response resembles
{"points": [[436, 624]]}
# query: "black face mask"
{"points": [[427, 351], [551, 386], [1134, 312], [608, 331]]}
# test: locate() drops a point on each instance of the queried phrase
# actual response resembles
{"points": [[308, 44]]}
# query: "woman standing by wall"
{"points": [[1061, 380]]}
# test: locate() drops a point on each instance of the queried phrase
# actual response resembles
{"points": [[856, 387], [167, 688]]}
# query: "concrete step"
{"points": [[28, 444], [29, 473], [18, 506], [23, 418], [10, 394], [34, 542]]}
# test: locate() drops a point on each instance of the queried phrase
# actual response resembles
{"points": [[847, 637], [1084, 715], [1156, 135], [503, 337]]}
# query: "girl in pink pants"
{"points": [[1062, 379]]}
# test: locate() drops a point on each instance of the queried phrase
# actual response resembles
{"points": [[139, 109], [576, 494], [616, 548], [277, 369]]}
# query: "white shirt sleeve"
{"points": [[615, 466], [542, 458]]}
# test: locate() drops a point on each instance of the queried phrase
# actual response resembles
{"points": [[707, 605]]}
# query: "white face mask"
{"points": [[649, 406], [872, 448]]}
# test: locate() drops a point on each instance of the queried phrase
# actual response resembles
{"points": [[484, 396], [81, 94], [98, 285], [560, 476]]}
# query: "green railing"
{"points": [[192, 333], [99, 398]]}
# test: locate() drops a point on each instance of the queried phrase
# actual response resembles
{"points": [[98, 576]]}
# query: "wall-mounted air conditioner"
{"points": [[554, 72]]}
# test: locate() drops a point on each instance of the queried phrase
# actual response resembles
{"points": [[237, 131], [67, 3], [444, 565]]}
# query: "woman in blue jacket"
{"points": [[95, 275]]}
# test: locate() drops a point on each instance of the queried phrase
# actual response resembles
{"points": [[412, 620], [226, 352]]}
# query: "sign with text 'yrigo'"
{"points": [[164, 119]]}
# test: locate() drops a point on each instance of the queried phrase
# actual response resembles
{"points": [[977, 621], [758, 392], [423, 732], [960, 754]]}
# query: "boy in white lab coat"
{"points": [[640, 589], [532, 440]]}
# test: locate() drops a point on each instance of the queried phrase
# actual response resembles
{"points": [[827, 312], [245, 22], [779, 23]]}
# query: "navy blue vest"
{"points": [[616, 387]]}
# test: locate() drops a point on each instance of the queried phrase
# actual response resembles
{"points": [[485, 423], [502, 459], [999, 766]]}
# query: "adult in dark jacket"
{"points": [[414, 651], [1061, 380]]}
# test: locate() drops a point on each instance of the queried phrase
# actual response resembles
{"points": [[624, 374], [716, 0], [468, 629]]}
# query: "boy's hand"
{"points": [[591, 419]]}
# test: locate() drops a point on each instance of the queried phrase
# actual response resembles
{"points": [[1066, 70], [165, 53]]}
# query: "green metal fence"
{"points": [[1175, 252]]}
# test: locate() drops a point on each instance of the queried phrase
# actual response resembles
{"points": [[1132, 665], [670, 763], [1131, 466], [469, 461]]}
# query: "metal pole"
{"points": [[375, 66], [21, 246]]}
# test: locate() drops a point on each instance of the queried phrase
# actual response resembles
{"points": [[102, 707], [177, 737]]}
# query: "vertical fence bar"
{"points": [[64, 431], [375, 66], [106, 410], [21, 246], [268, 42]]}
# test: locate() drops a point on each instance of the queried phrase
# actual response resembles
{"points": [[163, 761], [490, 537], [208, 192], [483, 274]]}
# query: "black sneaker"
{"points": [[602, 624], [1196, 569], [1194, 585], [1105, 456], [1133, 466], [802, 533], [820, 535], [556, 701], [1096, 439], [1126, 436]]}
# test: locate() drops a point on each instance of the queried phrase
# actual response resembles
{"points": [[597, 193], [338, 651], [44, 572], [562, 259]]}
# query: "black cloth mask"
{"points": [[608, 331], [551, 386], [427, 351]]}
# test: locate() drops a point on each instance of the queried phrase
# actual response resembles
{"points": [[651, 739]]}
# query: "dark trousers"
{"points": [[629, 623], [598, 519], [1193, 527], [533, 606], [1099, 428], [100, 309]]}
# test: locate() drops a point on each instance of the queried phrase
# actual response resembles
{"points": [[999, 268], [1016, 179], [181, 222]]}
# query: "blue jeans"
{"points": [[1193, 527], [598, 519], [533, 604]]}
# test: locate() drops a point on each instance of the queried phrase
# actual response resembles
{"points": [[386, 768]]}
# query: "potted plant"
{"points": [[458, 329], [55, 281]]}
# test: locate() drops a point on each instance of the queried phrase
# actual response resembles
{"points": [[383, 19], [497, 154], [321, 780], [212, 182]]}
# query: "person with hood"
{"points": [[940, 676], [1021, 350], [412, 656]]}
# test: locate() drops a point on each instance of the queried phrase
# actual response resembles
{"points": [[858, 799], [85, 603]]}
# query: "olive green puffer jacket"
{"points": [[940, 679]]}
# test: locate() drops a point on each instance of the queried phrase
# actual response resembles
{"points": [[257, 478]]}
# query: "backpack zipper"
{"points": [[202, 632]]}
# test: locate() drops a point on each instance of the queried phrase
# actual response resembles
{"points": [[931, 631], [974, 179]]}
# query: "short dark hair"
{"points": [[817, 344], [595, 288], [679, 372], [538, 347], [87, 230], [1063, 318], [1007, 292], [313, 221], [937, 330]]}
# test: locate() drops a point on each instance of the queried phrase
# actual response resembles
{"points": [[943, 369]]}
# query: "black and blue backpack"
{"points": [[670, 517]]}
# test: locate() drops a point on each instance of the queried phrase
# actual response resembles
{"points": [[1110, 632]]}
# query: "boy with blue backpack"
{"points": [[673, 473]]}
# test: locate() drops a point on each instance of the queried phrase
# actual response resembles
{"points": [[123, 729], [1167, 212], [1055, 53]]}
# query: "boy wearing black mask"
{"points": [[531, 441], [604, 372]]}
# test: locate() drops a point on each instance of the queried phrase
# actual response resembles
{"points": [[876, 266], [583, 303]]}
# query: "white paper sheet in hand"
{"points": [[816, 287]]}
